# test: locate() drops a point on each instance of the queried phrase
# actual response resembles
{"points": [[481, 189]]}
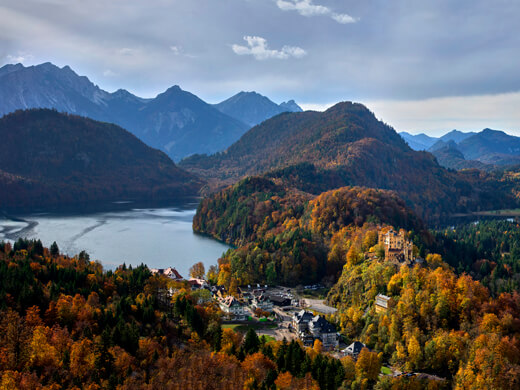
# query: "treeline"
{"points": [[488, 250]]}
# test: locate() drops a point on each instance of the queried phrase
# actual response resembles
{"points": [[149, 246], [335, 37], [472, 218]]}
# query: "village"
{"points": [[280, 312]]}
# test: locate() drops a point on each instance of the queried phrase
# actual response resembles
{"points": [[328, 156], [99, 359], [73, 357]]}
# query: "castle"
{"points": [[397, 247]]}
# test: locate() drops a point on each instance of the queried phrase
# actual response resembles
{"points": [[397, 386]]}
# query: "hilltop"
{"points": [[48, 158], [252, 108], [347, 145]]}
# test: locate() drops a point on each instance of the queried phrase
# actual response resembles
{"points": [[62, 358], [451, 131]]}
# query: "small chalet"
{"points": [[170, 272], [279, 300], [262, 302], [233, 309], [354, 349], [197, 284], [301, 320], [382, 303]]}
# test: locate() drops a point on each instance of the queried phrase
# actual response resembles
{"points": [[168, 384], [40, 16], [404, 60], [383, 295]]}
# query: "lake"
{"points": [[159, 237]]}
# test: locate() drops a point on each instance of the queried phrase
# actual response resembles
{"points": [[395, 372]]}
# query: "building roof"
{"points": [[355, 348], [278, 299], [382, 300], [170, 272], [230, 301], [318, 322], [303, 316]]}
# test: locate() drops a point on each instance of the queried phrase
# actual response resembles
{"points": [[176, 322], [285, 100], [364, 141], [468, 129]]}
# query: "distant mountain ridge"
{"points": [[252, 108], [176, 121], [344, 146], [424, 142], [54, 159], [487, 149]]}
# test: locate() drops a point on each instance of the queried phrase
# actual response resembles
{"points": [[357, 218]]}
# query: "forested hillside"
{"points": [[438, 321], [49, 159], [488, 251], [347, 145], [285, 236], [67, 324]]}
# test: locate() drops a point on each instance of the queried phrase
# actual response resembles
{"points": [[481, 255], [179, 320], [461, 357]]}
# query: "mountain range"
{"points": [[487, 149], [424, 142], [175, 121], [346, 145], [252, 108], [54, 159]]}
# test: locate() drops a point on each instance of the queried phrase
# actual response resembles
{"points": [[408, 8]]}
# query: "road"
{"points": [[319, 306]]}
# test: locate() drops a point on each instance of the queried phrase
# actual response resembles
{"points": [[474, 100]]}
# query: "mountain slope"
{"points": [[176, 121], [181, 124], [425, 142], [456, 136], [449, 156], [48, 158], [492, 147], [252, 108], [346, 145], [418, 141]]}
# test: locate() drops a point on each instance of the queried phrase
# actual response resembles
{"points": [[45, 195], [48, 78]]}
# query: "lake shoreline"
{"points": [[127, 233]]}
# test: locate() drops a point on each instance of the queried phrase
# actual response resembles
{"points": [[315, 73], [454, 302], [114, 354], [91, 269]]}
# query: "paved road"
{"points": [[319, 305]]}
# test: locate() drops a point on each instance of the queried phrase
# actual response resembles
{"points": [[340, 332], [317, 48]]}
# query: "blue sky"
{"points": [[419, 65]]}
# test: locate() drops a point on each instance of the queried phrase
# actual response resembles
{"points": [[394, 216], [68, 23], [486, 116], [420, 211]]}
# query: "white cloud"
{"points": [[343, 18], [126, 51], [257, 47], [176, 49], [109, 73], [21, 58], [307, 8]]}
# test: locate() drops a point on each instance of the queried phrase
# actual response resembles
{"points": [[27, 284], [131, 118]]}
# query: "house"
{"points": [[170, 272], [233, 309], [218, 291], [323, 330], [397, 247], [382, 303], [278, 300], [197, 284], [354, 349], [301, 320], [262, 302]]}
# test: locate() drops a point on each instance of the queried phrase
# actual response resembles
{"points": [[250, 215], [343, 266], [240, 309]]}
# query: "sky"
{"points": [[421, 66]]}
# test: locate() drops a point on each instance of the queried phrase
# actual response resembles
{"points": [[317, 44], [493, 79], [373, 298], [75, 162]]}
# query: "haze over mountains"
{"points": [[486, 149], [176, 121], [53, 159]]}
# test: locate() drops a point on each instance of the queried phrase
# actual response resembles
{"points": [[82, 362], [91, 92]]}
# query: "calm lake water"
{"points": [[159, 237]]}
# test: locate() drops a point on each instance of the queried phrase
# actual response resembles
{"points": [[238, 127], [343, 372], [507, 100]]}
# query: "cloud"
{"points": [[257, 47], [126, 51], [21, 58], [109, 73], [307, 8], [176, 49]]}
